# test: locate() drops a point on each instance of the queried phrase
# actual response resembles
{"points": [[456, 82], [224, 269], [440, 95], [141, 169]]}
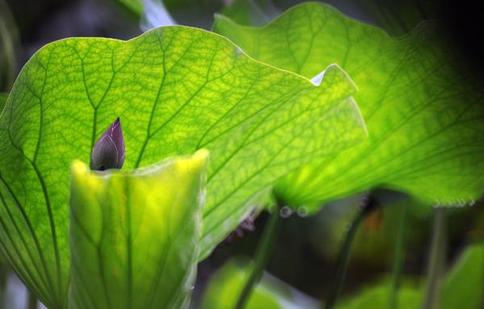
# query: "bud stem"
{"points": [[436, 260], [343, 258], [31, 300], [262, 255], [399, 257]]}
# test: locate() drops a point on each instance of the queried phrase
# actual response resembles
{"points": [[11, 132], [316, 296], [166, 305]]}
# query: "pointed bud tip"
{"points": [[109, 150]]}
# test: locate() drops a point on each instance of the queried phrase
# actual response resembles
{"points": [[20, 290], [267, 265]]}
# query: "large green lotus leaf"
{"points": [[425, 118], [176, 90], [134, 236]]}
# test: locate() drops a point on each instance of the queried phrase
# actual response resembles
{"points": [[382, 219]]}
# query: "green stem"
{"points": [[343, 259], [31, 301], [436, 260], [3, 283], [398, 259], [261, 256]]}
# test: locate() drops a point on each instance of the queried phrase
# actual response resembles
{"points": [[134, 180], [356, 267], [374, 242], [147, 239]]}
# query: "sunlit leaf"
{"points": [[425, 116], [176, 90], [134, 235]]}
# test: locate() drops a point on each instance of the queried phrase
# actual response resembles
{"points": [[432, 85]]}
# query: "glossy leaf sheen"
{"points": [[134, 235], [176, 89], [425, 119]]}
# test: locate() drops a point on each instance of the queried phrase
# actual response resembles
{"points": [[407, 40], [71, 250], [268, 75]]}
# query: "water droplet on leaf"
{"points": [[285, 212]]}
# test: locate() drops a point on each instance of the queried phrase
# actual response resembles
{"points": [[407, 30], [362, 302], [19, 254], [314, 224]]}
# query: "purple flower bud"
{"points": [[108, 152]]}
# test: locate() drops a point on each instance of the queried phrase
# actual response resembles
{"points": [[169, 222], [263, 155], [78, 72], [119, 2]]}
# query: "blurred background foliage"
{"points": [[301, 270]]}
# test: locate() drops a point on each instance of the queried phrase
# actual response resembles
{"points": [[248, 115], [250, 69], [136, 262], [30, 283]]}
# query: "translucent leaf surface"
{"points": [[176, 90], [134, 235], [424, 116]]}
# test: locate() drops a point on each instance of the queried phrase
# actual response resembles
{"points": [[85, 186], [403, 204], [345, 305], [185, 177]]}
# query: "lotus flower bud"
{"points": [[108, 152]]}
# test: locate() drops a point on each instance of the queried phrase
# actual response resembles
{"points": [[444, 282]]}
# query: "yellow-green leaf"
{"points": [[424, 115], [176, 90]]}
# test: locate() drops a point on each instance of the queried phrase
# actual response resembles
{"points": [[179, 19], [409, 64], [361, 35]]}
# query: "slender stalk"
{"points": [[3, 283], [436, 260], [262, 256], [343, 258], [398, 258], [31, 301]]}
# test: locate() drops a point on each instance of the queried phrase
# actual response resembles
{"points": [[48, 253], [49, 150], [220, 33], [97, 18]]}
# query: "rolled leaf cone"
{"points": [[134, 236]]}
